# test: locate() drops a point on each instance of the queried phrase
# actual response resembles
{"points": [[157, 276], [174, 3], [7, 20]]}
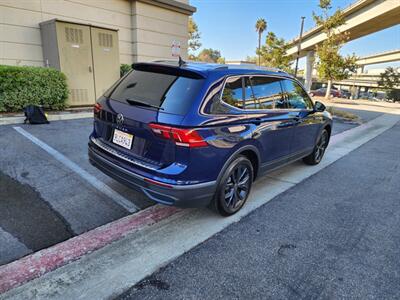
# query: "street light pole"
{"points": [[299, 46]]}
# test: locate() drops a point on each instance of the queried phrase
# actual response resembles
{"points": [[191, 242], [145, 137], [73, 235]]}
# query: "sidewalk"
{"points": [[70, 114]]}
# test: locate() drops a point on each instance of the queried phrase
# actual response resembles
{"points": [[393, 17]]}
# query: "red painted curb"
{"points": [[46, 260]]}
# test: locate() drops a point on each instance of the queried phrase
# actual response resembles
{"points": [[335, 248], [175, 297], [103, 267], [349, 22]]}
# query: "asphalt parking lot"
{"points": [[46, 201]]}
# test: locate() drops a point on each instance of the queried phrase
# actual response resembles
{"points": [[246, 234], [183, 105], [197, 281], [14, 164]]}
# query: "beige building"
{"points": [[145, 30]]}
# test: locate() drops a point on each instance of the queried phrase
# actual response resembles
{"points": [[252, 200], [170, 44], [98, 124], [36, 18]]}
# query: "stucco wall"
{"points": [[154, 30], [145, 31]]}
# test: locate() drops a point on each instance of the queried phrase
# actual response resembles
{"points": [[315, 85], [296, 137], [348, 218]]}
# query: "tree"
{"points": [[273, 53], [390, 79], [209, 55], [261, 26], [221, 60], [331, 64], [194, 36]]}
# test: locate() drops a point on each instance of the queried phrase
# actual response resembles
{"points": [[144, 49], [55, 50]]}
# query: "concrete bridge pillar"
{"points": [[357, 94], [309, 69]]}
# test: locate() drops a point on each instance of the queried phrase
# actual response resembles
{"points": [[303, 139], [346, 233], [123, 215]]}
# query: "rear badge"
{"points": [[120, 119]]}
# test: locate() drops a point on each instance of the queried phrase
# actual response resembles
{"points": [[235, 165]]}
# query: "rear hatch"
{"points": [[150, 94]]}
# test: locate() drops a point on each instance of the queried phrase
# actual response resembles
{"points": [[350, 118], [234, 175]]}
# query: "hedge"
{"points": [[20, 86], [124, 68]]}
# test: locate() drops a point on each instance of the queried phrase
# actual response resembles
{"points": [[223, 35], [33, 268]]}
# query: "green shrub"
{"points": [[20, 86], [124, 68]]}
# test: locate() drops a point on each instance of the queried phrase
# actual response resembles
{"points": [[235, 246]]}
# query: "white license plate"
{"points": [[122, 139]]}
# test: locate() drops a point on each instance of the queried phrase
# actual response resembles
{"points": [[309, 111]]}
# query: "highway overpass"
{"points": [[357, 82], [366, 79], [361, 80], [379, 58], [362, 18]]}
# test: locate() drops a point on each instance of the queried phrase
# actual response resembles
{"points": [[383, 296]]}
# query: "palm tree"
{"points": [[261, 26]]}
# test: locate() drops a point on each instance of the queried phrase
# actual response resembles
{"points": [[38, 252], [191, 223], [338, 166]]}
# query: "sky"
{"points": [[229, 26]]}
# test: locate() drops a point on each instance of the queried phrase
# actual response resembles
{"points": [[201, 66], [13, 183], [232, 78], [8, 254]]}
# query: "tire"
{"points": [[319, 150], [234, 187]]}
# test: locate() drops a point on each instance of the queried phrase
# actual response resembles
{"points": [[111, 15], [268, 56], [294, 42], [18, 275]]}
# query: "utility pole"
{"points": [[299, 46]]}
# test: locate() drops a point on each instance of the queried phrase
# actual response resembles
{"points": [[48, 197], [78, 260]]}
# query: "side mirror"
{"points": [[319, 106]]}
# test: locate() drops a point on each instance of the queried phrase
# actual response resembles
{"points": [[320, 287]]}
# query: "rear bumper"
{"points": [[193, 195]]}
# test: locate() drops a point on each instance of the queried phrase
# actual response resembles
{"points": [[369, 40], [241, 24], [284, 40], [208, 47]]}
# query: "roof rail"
{"points": [[164, 60], [254, 67], [216, 66]]}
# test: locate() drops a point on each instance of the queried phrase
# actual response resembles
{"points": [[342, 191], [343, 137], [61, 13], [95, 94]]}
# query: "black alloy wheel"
{"points": [[234, 187], [319, 150], [321, 146]]}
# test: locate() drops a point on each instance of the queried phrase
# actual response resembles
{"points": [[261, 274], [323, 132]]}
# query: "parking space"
{"points": [[44, 201], [50, 190], [28, 222]]}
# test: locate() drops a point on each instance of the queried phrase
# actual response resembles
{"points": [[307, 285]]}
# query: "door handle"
{"points": [[298, 120], [286, 124]]}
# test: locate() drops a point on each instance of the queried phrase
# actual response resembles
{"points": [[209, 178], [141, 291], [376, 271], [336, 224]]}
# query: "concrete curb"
{"points": [[57, 117], [347, 121], [44, 261]]}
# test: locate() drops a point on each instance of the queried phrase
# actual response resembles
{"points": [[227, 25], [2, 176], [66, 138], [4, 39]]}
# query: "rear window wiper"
{"points": [[136, 102]]}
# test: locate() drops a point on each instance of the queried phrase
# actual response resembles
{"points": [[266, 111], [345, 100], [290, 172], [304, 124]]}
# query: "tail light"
{"points": [[97, 108], [182, 137]]}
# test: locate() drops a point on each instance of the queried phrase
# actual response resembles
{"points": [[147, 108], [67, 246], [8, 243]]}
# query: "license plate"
{"points": [[122, 139]]}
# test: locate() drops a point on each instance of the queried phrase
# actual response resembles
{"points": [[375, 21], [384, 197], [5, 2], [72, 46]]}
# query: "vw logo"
{"points": [[120, 119]]}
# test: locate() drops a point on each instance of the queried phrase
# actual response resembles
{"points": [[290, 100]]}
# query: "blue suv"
{"points": [[194, 134]]}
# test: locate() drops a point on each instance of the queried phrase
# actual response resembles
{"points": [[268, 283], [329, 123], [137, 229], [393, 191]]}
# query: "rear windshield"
{"points": [[174, 94]]}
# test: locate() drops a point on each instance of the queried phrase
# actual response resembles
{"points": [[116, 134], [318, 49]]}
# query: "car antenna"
{"points": [[181, 62]]}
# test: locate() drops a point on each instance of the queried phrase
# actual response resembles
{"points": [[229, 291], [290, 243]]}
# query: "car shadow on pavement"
{"points": [[28, 217]]}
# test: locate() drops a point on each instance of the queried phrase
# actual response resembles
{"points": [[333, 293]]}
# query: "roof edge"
{"points": [[55, 20], [172, 5]]}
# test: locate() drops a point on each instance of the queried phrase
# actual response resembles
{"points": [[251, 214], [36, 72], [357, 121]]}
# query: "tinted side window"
{"points": [[267, 92], [233, 92], [297, 98]]}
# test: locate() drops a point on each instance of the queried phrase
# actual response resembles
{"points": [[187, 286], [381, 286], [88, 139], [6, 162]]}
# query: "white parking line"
{"points": [[11, 248], [105, 189]]}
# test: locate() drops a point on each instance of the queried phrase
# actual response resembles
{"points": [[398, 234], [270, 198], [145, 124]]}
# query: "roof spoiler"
{"points": [[170, 68]]}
